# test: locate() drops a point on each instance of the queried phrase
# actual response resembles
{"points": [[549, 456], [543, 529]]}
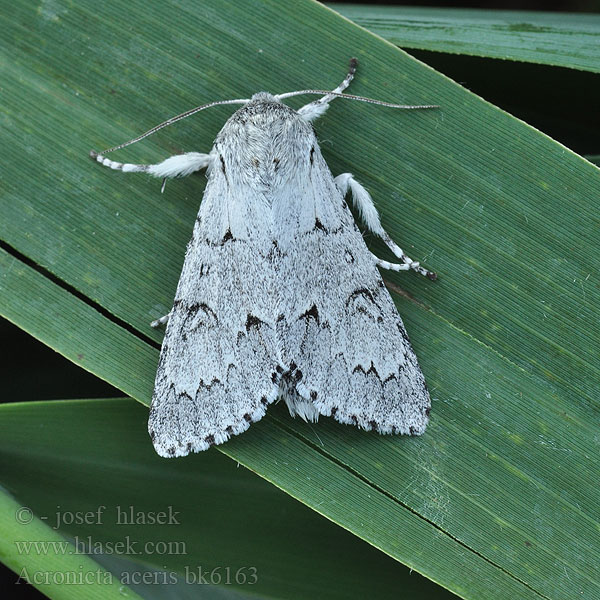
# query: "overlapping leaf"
{"points": [[498, 499], [558, 39]]}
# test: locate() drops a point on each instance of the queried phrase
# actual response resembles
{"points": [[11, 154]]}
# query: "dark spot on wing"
{"points": [[202, 385], [193, 309], [362, 301], [222, 164], [403, 333], [312, 152], [319, 225], [248, 418], [273, 253], [373, 370], [311, 312], [227, 237], [252, 321], [361, 292]]}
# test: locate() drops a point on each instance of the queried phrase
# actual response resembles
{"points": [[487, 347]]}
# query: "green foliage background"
{"points": [[497, 500]]}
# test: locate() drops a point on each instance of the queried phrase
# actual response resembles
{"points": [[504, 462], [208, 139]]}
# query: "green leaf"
{"points": [[89, 470], [498, 498], [54, 568], [558, 38]]}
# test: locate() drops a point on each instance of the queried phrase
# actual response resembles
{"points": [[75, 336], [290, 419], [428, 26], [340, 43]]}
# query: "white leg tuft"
{"points": [[160, 321], [364, 204], [313, 110], [179, 165]]}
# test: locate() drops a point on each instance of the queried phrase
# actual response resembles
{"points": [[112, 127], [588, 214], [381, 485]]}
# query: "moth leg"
{"points": [[179, 165], [384, 264], [313, 110], [364, 203], [161, 321]]}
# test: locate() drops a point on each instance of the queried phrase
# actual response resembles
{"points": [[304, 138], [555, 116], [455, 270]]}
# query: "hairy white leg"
{"points": [[313, 110], [384, 264], [364, 203], [179, 165], [160, 321]]}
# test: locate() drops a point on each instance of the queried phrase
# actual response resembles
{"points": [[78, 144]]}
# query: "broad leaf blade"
{"points": [[88, 468], [504, 214], [558, 39]]}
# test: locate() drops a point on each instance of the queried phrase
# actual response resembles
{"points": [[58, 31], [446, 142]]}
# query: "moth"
{"points": [[279, 296]]}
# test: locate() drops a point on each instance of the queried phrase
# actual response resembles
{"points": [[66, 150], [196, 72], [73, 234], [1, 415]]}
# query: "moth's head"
{"points": [[262, 108], [266, 142], [264, 97]]}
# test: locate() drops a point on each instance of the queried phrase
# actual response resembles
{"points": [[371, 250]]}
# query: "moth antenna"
{"points": [[314, 110], [360, 98], [170, 121]]}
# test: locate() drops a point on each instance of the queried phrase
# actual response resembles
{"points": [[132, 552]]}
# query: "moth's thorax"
{"points": [[265, 144]]}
